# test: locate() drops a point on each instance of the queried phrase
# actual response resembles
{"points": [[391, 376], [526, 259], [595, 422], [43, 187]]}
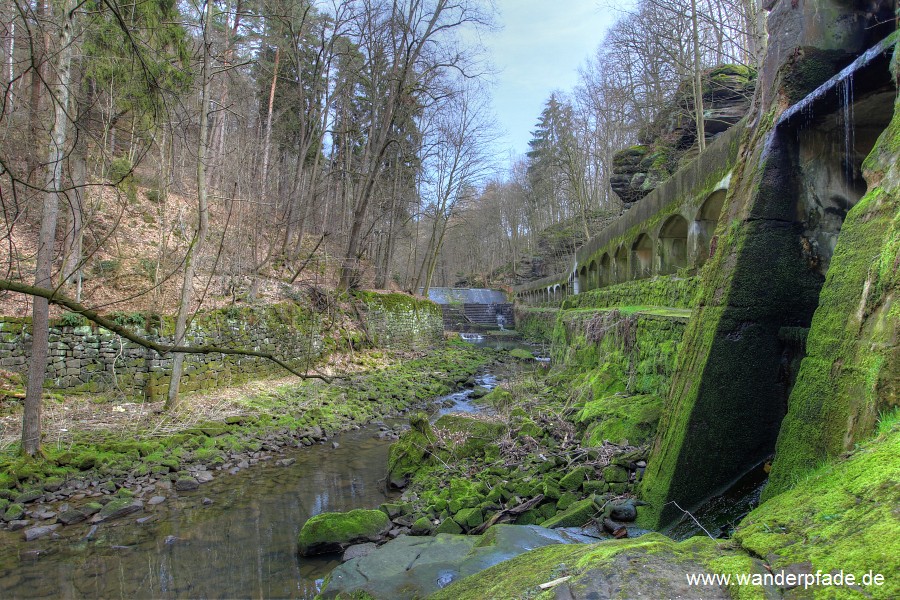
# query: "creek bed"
{"points": [[243, 544]]}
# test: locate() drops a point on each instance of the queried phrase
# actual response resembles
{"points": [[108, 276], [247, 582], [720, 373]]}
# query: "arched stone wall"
{"points": [[642, 257], [704, 226], [605, 277], [621, 265], [672, 245]]}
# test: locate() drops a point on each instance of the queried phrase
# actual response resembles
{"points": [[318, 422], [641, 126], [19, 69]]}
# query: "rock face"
{"points": [[334, 532], [727, 91], [416, 567]]}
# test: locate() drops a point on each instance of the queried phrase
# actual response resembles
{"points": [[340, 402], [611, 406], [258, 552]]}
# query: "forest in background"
{"points": [[346, 141], [176, 156]]}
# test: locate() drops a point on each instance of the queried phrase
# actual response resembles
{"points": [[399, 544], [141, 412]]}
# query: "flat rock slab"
{"points": [[358, 551], [416, 567], [38, 532], [119, 508]]}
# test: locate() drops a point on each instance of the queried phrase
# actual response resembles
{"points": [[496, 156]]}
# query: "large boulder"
{"points": [[416, 567], [411, 452], [334, 532], [639, 169]]}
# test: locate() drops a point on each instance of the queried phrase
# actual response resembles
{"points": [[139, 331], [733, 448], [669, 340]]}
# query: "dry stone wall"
{"points": [[87, 358]]}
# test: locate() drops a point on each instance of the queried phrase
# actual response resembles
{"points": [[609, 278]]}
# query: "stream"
{"points": [[242, 544], [236, 536]]}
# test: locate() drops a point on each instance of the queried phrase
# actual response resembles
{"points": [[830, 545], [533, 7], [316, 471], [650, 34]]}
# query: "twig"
{"points": [[675, 504]]}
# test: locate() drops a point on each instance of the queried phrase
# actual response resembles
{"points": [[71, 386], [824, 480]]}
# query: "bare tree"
{"points": [[53, 195], [199, 238]]}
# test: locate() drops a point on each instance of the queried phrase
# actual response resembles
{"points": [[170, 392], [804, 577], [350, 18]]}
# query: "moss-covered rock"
{"points": [[13, 512], [651, 566], [844, 516], [448, 525], [521, 354], [575, 477], [411, 452], [469, 518], [332, 532], [576, 515]]}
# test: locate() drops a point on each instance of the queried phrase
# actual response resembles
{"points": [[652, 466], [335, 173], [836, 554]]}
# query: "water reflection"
{"points": [[243, 545]]}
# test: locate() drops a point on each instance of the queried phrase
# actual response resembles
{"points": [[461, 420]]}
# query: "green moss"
{"points": [[521, 354], [809, 68], [850, 373], [326, 532], [843, 516], [621, 418], [576, 515]]}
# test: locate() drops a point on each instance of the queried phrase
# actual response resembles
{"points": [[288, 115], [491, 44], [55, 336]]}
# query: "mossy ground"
{"points": [[844, 516], [288, 409]]}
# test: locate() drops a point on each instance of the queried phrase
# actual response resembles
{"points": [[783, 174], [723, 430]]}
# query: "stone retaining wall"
{"points": [[87, 358]]}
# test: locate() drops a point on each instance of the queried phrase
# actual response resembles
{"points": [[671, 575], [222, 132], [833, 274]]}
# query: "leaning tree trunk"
{"points": [[190, 261], [40, 322]]}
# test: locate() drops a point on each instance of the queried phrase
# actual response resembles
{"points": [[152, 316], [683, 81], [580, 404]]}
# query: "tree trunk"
{"points": [[37, 366], [698, 84], [37, 73], [196, 246]]}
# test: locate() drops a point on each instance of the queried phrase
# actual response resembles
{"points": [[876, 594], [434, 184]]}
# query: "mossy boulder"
{"points": [[411, 452], [422, 526], [333, 532], [13, 512], [575, 477], [449, 526], [521, 354], [615, 474], [619, 418], [575, 516], [469, 518], [120, 507]]}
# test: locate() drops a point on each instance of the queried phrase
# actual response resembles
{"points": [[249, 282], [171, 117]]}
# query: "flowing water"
{"points": [[243, 544]]}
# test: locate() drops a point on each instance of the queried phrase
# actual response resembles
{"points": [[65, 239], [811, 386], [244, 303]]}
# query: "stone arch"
{"points": [[673, 245], [605, 276], [593, 277], [704, 227], [557, 294], [621, 264], [582, 280], [641, 257]]}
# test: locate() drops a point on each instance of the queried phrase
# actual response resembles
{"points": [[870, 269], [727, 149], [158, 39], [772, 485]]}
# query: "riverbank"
{"points": [[129, 454]]}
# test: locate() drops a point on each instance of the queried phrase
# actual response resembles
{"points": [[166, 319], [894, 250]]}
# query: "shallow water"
{"points": [[242, 545]]}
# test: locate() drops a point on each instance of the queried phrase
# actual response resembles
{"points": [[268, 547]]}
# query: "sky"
{"points": [[539, 49]]}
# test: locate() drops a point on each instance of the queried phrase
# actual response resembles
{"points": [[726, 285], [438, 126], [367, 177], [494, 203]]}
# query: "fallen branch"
{"points": [[54, 297], [506, 514]]}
